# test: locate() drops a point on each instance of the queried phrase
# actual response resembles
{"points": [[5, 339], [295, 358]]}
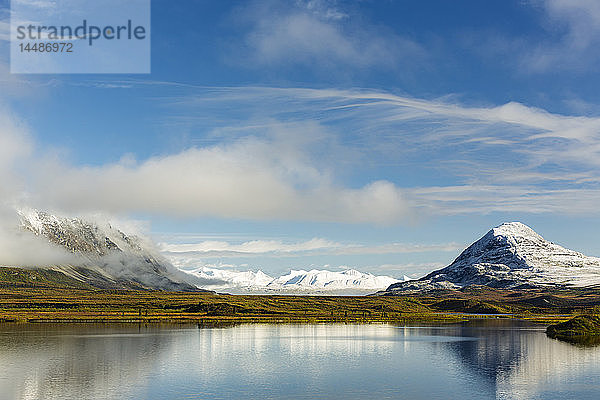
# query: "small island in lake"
{"points": [[583, 329]]}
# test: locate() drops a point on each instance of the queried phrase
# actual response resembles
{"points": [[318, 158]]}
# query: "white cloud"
{"points": [[563, 37], [577, 24], [252, 247], [4, 30], [324, 9], [411, 270], [319, 35], [15, 146], [315, 246], [251, 178], [16, 247], [21, 249]]}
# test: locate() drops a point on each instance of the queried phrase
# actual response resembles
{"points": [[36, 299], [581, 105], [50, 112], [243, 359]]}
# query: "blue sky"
{"points": [[379, 135]]}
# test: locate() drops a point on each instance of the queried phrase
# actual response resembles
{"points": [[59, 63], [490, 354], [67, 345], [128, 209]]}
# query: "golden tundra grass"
{"points": [[90, 305]]}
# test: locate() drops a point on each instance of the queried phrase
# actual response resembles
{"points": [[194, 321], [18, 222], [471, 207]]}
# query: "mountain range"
{"points": [[511, 256], [103, 256], [347, 282]]}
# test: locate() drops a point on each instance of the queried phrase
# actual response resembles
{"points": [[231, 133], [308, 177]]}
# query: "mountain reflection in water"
{"points": [[496, 359]]}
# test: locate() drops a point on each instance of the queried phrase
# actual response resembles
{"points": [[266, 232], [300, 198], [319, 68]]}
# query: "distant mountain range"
{"points": [[511, 256], [296, 281]]}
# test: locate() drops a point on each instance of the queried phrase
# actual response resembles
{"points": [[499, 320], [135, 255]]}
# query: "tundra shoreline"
{"points": [[68, 305]]}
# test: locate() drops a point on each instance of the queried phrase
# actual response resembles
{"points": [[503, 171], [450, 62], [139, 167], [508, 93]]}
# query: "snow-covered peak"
{"points": [[515, 229], [77, 235], [34, 220], [512, 255], [219, 279]]}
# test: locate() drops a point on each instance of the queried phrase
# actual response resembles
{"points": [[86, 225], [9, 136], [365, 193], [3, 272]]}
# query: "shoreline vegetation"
{"points": [[582, 329], [41, 296]]}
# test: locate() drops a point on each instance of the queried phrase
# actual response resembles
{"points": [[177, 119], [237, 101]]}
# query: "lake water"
{"points": [[478, 360]]}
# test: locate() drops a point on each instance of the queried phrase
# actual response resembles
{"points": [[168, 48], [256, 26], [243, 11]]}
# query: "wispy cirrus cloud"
{"points": [[387, 123], [467, 199]]}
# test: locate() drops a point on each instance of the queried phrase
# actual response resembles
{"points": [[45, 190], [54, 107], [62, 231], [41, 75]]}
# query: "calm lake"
{"points": [[478, 360]]}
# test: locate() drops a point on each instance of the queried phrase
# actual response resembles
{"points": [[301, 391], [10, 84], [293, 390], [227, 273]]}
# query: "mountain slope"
{"points": [[103, 256], [511, 255]]}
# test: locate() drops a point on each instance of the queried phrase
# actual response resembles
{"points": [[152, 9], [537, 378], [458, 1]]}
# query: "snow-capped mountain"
{"points": [[328, 280], [224, 279], [297, 281], [511, 255], [102, 255]]}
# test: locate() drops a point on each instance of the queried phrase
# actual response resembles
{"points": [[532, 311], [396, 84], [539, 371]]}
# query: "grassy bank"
{"points": [[582, 329], [59, 304]]}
